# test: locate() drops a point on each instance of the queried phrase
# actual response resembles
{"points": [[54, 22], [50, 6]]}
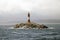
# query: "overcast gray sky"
{"points": [[39, 9]]}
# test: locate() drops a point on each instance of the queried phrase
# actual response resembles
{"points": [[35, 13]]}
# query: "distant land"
{"points": [[48, 21], [37, 21]]}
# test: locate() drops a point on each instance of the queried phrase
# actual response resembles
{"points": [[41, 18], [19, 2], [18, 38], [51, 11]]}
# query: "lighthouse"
{"points": [[29, 24], [28, 18]]}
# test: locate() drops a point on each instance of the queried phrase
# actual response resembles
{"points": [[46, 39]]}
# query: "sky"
{"points": [[14, 10]]}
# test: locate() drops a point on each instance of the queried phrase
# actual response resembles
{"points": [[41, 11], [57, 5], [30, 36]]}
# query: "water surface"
{"points": [[52, 33]]}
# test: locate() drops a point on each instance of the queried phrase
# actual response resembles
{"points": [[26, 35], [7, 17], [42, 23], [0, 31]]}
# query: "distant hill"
{"points": [[38, 21], [48, 21]]}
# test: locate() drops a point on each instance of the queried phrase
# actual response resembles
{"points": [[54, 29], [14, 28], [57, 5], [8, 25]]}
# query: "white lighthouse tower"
{"points": [[29, 18]]}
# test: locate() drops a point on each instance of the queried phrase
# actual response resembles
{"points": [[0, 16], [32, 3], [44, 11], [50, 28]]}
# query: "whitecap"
{"points": [[51, 28]]}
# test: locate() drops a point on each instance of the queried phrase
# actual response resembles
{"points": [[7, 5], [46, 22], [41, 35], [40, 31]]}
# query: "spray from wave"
{"points": [[51, 28]]}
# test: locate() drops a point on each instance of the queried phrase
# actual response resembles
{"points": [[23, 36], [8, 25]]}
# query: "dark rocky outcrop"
{"points": [[31, 25]]}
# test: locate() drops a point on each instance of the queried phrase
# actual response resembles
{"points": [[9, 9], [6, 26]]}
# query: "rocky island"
{"points": [[30, 25]]}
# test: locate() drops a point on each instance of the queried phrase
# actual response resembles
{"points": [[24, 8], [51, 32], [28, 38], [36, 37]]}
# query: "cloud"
{"points": [[41, 9]]}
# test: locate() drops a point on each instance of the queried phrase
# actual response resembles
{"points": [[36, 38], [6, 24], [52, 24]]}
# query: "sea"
{"points": [[8, 32]]}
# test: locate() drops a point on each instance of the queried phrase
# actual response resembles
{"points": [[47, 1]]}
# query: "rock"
{"points": [[17, 26], [30, 26]]}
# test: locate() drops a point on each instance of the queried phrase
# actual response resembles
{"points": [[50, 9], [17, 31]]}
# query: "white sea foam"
{"points": [[51, 28], [18, 28], [11, 28]]}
